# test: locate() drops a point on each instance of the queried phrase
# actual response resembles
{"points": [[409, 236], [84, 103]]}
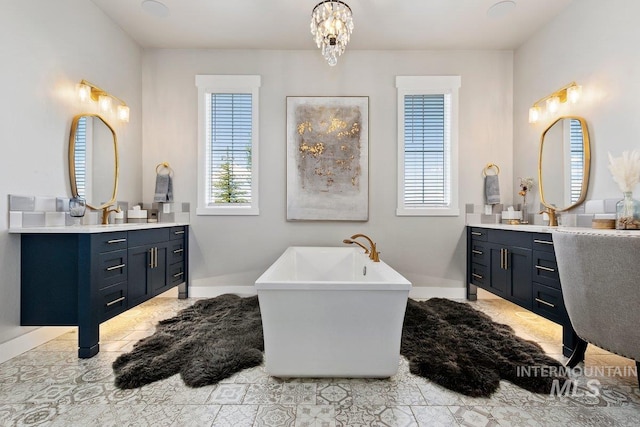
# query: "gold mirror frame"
{"points": [[72, 152], [587, 164]]}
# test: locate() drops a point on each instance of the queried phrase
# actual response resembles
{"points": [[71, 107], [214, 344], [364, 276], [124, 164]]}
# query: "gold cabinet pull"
{"points": [[506, 259], [475, 233], [477, 276], [155, 257], [177, 251], [544, 242], [115, 301], [178, 274], [151, 258], [115, 267], [540, 267], [110, 242], [541, 301], [473, 251]]}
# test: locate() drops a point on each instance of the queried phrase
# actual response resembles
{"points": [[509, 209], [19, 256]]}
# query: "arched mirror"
{"points": [[93, 160], [563, 164]]}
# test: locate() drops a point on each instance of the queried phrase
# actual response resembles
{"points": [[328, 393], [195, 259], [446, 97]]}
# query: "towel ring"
{"points": [[490, 166], [164, 165]]}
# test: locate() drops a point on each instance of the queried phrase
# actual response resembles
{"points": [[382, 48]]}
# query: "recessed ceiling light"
{"points": [[501, 8], [155, 8]]}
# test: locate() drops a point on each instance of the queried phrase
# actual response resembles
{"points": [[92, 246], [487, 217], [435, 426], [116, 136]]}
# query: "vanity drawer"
{"points": [[112, 300], [520, 239], [175, 274], [105, 242], [479, 252], [178, 232], [479, 234], [148, 237], [548, 303], [176, 251], [112, 268], [479, 275], [545, 269], [542, 242]]}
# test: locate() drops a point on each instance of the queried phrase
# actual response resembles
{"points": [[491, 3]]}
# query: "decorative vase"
{"points": [[628, 213], [77, 208], [525, 214]]}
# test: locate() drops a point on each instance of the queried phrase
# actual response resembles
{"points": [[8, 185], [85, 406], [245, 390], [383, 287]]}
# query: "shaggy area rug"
{"points": [[448, 342]]}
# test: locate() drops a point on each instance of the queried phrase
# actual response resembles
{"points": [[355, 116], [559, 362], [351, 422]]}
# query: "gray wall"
{"points": [[46, 48], [595, 44], [234, 251]]}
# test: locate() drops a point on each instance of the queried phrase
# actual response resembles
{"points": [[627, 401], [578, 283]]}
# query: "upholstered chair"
{"points": [[600, 279]]}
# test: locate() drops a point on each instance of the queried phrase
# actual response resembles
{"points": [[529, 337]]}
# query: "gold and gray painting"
{"points": [[329, 148], [327, 158]]}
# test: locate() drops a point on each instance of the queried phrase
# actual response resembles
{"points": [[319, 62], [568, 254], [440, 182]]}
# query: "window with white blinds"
{"points": [[228, 148], [576, 148], [80, 156], [427, 145]]}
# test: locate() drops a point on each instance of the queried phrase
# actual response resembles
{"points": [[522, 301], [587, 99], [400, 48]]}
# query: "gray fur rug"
{"points": [[450, 343]]}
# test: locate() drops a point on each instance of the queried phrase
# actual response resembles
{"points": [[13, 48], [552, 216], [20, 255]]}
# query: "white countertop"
{"points": [[108, 228], [546, 229]]}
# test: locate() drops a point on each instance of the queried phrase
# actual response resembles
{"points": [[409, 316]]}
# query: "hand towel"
{"points": [[492, 189], [164, 188]]}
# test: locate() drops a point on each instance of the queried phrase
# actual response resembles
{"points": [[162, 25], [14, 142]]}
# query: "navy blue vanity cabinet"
{"points": [[177, 256], [84, 279], [510, 261], [147, 263], [521, 267]]}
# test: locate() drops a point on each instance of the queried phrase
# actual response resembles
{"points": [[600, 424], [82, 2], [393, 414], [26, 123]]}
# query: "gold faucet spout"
{"points": [[553, 216], [374, 255], [105, 214], [351, 242]]}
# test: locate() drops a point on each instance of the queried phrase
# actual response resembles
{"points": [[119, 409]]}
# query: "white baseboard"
{"points": [[426, 292], [214, 291], [30, 340], [419, 292]]}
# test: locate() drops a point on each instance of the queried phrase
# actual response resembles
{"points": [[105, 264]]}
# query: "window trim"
{"points": [[208, 84], [429, 85]]}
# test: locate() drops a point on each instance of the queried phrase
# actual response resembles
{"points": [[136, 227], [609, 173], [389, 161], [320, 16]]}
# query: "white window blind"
{"points": [[228, 144], [426, 150], [427, 145], [80, 156], [577, 158]]}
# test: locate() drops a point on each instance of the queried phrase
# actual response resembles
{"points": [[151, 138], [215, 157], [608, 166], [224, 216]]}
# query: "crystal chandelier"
{"points": [[331, 26]]}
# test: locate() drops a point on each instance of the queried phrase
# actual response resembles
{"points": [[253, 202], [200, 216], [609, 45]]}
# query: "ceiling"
{"points": [[379, 24]]}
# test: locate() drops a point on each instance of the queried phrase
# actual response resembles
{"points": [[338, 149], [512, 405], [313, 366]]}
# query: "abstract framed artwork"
{"points": [[328, 158]]}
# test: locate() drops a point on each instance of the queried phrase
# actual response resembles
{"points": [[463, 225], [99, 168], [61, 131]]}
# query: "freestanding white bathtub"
{"points": [[331, 312]]}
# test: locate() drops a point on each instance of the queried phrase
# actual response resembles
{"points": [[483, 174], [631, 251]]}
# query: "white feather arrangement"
{"points": [[625, 170]]}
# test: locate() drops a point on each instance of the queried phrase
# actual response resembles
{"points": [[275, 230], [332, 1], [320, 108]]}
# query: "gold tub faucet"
{"points": [[374, 255]]}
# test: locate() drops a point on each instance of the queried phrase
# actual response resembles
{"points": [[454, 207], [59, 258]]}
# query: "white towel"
{"points": [[164, 188], [492, 189]]}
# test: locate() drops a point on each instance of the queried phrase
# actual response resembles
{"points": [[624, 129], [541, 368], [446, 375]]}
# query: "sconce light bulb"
{"points": [[534, 114], [123, 113], [553, 104], [573, 93], [105, 103], [84, 92]]}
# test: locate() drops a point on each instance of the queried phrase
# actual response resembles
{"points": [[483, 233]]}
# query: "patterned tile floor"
{"points": [[50, 386]]}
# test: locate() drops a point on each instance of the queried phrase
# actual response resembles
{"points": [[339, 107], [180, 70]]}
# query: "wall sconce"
{"points": [[87, 91], [570, 92]]}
